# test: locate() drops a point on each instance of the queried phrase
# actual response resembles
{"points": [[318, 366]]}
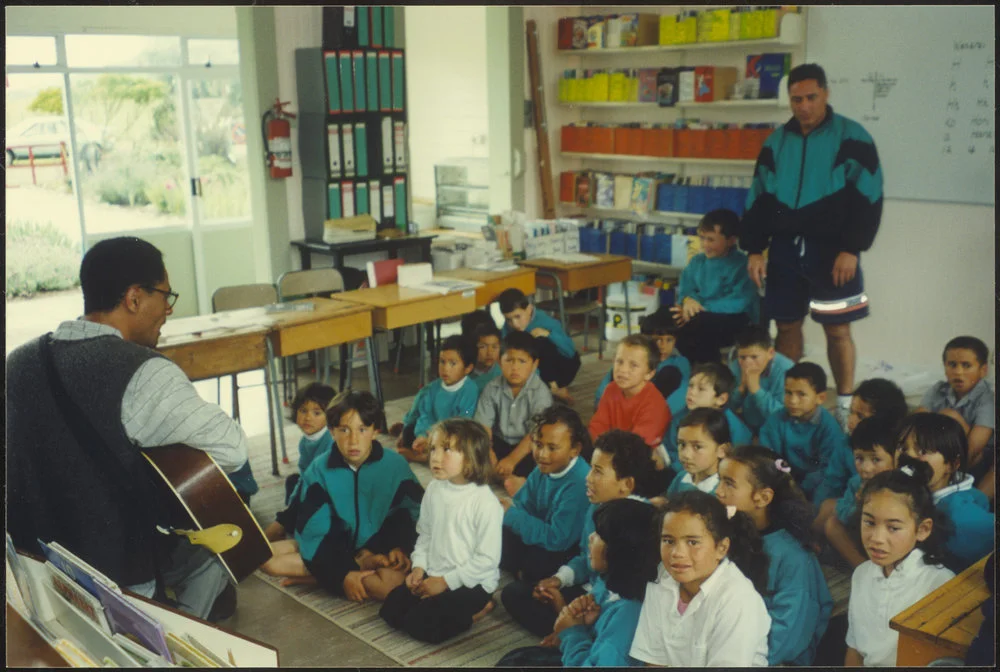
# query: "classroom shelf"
{"points": [[657, 217], [463, 187], [765, 104], [746, 163]]}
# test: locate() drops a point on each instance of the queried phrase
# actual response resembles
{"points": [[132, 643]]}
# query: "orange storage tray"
{"points": [[600, 140], [658, 142], [691, 143]]}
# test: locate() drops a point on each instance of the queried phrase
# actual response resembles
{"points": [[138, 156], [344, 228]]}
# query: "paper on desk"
{"points": [[502, 265], [447, 285], [229, 320], [569, 257]]}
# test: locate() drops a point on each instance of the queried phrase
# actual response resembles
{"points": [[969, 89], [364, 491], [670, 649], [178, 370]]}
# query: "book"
{"points": [[447, 285], [128, 620], [186, 655], [647, 85], [571, 257], [643, 193], [79, 598], [203, 650], [140, 653], [604, 190], [73, 654], [80, 571]]}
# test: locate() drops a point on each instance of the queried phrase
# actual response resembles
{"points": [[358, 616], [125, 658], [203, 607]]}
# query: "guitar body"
{"points": [[204, 498]]}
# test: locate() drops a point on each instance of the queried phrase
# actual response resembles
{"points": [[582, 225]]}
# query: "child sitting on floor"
{"points": [[558, 360], [760, 377], [452, 395], [759, 483], [596, 629], [872, 441], [352, 520], [507, 405], [631, 402], [804, 433], [456, 558], [673, 369], [309, 413], [619, 468], [542, 524], [901, 533], [715, 296], [702, 442], [487, 368]]}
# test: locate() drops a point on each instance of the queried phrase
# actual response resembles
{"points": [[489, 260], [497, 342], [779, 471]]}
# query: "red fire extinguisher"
{"points": [[277, 133]]}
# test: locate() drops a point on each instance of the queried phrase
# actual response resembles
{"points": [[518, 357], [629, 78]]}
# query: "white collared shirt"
{"points": [[876, 598], [725, 625]]}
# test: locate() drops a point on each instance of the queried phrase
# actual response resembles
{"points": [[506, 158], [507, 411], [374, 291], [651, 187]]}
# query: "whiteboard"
{"points": [[921, 81]]}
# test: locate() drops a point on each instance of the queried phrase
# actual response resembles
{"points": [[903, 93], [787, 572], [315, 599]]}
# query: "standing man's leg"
{"points": [[840, 351], [789, 341]]}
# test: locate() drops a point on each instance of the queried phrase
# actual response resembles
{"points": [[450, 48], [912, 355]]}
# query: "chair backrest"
{"points": [[383, 272], [299, 284], [243, 296]]}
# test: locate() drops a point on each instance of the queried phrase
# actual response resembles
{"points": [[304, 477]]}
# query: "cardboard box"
{"points": [[648, 30], [668, 29], [567, 182], [623, 192], [613, 37], [691, 143], [600, 140], [596, 27], [580, 32], [659, 142], [769, 69], [713, 83], [564, 39]]}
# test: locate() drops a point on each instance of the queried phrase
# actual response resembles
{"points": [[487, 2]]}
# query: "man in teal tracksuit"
{"points": [[816, 202]]}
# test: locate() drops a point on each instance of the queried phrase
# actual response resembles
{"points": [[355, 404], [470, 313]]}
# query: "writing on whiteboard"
{"points": [[881, 85]]}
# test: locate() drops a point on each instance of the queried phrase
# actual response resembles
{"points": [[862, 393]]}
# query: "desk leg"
{"points": [[375, 377], [343, 365], [274, 410], [306, 258], [420, 357], [628, 311], [604, 320], [425, 251]]}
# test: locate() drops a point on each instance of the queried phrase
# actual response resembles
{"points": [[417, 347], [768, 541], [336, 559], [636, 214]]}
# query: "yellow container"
{"points": [[735, 18], [600, 87], [668, 29], [633, 90], [769, 22], [713, 25], [618, 88], [687, 28]]}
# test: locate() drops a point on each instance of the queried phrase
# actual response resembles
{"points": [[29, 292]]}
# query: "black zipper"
{"points": [[802, 171], [357, 512]]}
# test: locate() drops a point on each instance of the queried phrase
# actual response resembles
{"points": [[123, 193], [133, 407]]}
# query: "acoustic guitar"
{"points": [[205, 498]]}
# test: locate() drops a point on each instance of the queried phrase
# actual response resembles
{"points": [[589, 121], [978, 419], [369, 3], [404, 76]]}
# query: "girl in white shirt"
{"points": [[705, 610], [902, 535], [456, 560]]}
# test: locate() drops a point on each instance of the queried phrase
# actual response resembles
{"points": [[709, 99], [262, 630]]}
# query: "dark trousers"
{"points": [[536, 617], [667, 380], [409, 435], [535, 563], [658, 480], [701, 339], [503, 449], [290, 484], [555, 367], [434, 619], [532, 656]]}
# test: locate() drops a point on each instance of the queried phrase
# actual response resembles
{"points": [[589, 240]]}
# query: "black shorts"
{"points": [[800, 281]]}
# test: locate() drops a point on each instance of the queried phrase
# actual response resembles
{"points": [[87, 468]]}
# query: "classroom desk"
{"points": [[608, 269], [944, 623], [395, 307], [494, 282], [337, 251]]}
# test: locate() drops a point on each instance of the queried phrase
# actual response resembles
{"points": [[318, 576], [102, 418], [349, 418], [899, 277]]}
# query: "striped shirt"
{"points": [[161, 406]]}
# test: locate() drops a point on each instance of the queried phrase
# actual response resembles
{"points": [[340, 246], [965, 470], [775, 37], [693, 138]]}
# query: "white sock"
{"points": [[844, 403]]}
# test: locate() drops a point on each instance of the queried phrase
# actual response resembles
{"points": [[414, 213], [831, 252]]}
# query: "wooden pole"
{"points": [[541, 126]]}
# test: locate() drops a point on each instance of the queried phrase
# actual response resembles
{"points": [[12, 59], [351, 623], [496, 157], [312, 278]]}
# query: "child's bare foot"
{"points": [[396, 429], [512, 484], [412, 455], [297, 580], [562, 394], [482, 613]]}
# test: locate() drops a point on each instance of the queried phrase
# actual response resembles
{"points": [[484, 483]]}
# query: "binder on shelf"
{"points": [[389, 26], [332, 82], [346, 85], [359, 81], [398, 89], [363, 20], [399, 190], [388, 211], [347, 198], [350, 26], [371, 80], [377, 12], [333, 200], [361, 197], [361, 149], [399, 142], [333, 146], [384, 82], [375, 200], [387, 132], [336, 33], [347, 141]]}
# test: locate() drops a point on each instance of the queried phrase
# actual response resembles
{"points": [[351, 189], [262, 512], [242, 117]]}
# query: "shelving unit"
{"points": [[461, 195], [778, 103], [745, 163], [657, 217]]}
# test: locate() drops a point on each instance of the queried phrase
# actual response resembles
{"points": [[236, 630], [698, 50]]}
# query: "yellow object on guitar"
{"points": [[218, 539]]}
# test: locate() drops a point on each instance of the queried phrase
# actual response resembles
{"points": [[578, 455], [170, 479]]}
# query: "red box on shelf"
{"points": [[567, 183], [599, 140], [752, 141], [628, 140], [723, 143], [690, 143], [658, 142], [571, 138]]}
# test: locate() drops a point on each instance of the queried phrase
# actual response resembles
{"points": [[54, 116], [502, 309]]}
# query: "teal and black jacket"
{"points": [[826, 185], [336, 511]]}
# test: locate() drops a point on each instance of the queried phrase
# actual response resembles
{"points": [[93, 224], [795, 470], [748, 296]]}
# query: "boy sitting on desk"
{"points": [[558, 359], [716, 297]]}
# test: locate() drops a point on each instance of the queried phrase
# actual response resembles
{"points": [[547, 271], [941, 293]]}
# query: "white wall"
{"points": [[204, 21], [929, 275]]}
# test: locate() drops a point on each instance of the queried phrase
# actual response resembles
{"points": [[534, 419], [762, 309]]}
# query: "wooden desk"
{"points": [[944, 623], [217, 354], [394, 307], [27, 648], [337, 251], [495, 282]]}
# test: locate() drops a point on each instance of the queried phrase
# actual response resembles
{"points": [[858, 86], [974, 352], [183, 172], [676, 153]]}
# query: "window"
{"points": [[102, 51], [30, 51], [214, 52]]}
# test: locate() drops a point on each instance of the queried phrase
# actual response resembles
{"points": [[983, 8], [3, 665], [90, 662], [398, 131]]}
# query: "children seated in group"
{"points": [[456, 558], [558, 359], [901, 534], [351, 524], [940, 442], [673, 370], [619, 468], [451, 395], [702, 441], [873, 442], [966, 396], [508, 403], [542, 523], [804, 433], [760, 377], [715, 296], [309, 413], [631, 402], [875, 397], [479, 325], [759, 483], [710, 386], [596, 629], [706, 609]]}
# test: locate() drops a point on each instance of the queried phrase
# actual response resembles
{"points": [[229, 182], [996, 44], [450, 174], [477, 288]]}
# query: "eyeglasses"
{"points": [[171, 296]]}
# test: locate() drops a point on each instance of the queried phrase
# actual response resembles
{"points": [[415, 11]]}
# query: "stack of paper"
{"points": [[571, 257]]}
